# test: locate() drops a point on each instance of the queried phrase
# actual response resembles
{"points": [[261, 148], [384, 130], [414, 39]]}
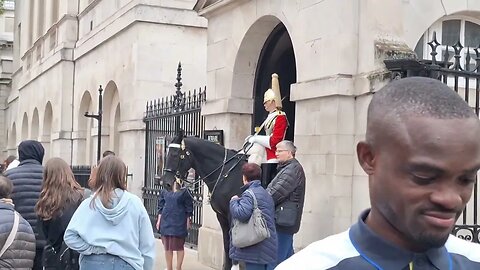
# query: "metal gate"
{"points": [[459, 68], [163, 118]]}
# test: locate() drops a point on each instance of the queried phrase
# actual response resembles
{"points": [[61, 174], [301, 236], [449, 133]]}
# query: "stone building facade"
{"points": [[64, 50], [328, 53], [336, 48], [6, 55]]}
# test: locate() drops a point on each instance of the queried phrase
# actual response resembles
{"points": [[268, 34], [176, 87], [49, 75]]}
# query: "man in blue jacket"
{"points": [[421, 155], [27, 184]]}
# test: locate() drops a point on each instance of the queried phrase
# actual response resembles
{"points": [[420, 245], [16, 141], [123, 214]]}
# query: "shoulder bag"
{"points": [[286, 214], [253, 232], [13, 233]]}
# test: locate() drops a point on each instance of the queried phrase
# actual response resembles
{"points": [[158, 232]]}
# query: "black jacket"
{"points": [[289, 185], [27, 184], [21, 253], [54, 229]]}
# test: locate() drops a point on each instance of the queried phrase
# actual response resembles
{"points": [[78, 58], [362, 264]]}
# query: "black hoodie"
{"points": [[27, 184], [31, 149]]}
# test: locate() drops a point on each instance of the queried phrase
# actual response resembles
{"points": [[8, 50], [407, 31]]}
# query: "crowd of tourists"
{"points": [[48, 221]]}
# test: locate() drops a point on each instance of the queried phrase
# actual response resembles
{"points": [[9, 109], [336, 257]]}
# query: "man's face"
{"points": [[269, 105], [282, 153], [422, 175]]}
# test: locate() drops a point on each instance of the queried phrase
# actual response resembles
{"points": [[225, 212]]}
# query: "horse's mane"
{"points": [[207, 145]]}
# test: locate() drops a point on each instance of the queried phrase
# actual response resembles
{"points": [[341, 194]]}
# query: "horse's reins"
{"points": [[177, 174]]}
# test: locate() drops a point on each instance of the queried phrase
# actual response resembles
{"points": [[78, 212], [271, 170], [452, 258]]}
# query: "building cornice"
{"points": [[207, 7], [139, 13]]}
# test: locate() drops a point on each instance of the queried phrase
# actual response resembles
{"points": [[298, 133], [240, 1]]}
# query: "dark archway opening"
{"points": [[277, 56]]}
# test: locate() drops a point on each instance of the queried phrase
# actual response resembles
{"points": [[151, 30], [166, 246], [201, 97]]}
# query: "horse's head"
{"points": [[177, 163]]}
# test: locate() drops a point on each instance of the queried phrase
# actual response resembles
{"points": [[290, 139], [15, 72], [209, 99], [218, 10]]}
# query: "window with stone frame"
{"points": [[449, 31]]}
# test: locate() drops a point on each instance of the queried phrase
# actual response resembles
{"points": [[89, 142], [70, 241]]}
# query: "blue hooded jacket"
{"points": [[241, 209], [123, 230], [174, 208]]}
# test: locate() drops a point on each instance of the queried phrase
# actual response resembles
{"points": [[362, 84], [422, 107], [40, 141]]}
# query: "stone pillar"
{"points": [[324, 136]]}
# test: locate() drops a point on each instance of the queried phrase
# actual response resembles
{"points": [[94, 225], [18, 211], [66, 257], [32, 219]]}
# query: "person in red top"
{"points": [[275, 127]]}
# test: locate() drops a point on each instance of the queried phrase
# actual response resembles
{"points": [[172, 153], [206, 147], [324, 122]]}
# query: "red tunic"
{"points": [[275, 127]]}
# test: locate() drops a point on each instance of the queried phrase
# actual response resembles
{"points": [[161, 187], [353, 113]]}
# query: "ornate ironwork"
{"points": [[163, 118], [467, 232]]}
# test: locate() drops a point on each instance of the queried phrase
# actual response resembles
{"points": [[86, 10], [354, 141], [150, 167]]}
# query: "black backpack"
{"points": [[63, 259]]}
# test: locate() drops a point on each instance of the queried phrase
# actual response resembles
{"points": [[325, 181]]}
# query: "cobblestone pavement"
{"points": [[189, 263]]}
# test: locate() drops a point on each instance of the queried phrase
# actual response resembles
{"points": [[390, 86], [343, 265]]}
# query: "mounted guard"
{"points": [[274, 127]]}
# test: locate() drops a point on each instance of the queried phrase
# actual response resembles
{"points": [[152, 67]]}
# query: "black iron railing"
{"points": [[163, 118]]}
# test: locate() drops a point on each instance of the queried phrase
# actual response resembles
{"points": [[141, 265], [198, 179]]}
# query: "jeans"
{"points": [[255, 266], [104, 262], [285, 249]]}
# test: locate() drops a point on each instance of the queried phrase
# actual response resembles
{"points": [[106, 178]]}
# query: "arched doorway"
{"points": [[111, 102], [84, 129], [35, 125], [24, 127], [47, 130], [12, 140], [277, 56]]}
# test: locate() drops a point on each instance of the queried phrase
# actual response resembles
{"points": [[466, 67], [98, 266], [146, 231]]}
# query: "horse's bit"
{"points": [[183, 154]]}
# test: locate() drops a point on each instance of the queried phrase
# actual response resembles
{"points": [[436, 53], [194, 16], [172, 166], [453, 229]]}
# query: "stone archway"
{"points": [[12, 140], [265, 49], [111, 102], [83, 132], [35, 125], [277, 56], [46, 138], [115, 137], [24, 134]]}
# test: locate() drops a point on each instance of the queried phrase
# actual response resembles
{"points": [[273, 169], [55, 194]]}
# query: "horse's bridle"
{"points": [[179, 178], [185, 154]]}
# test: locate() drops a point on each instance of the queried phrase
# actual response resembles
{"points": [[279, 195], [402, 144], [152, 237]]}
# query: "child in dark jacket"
{"points": [[175, 209]]}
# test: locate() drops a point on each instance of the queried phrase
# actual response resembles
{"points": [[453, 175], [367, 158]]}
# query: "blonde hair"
{"points": [[59, 189], [111, 174]]}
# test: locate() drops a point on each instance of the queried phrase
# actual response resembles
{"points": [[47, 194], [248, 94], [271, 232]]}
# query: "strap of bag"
{"points": [[255, 205], [12, 234]]}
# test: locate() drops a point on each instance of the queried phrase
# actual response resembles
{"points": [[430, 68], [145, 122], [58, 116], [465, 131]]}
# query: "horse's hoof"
{"points": [[236, 267]]}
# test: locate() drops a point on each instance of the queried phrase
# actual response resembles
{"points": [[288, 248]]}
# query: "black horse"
{"points": [[218, 167]]}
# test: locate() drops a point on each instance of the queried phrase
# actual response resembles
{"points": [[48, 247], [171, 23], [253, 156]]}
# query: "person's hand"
{"points": [[252, 139], [234, 197], [158, 223]]}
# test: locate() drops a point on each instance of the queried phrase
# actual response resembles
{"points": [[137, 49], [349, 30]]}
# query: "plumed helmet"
{"points": [[274, 92]]}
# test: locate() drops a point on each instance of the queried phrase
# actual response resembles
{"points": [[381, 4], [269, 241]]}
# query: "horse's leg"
{"points": [[225, 224]]}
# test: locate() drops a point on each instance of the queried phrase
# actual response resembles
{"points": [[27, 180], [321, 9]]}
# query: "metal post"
{"points": [[178, 99], [98, 117]]}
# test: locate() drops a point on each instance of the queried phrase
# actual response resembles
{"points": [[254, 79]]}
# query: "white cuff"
{"points": [[263, 140]]}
